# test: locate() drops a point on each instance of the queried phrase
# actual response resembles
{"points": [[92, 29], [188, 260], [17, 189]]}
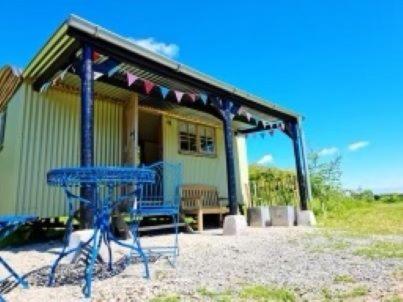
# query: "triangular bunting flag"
{"points": [[282, 127], [262, 134], [148, 86], [44, 87], [164, 91], [248, 116], [63, 74], [179, 95], [95, 56], [271, 132], [204, 98], [131, 78], [192, 97], [112, 71], [97, 75]]}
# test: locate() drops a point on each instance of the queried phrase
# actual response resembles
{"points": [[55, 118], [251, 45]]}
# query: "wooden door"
{"points": [[130, 132]]}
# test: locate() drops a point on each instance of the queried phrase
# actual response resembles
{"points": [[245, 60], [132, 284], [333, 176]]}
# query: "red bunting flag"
{"points": [[148, 86], [131, 78], [192, 97], [179, 95], [96, 56]]}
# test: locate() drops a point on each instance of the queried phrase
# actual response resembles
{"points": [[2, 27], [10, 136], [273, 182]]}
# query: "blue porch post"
{"points": [[227, 110], [87, 130], [301, 165]]}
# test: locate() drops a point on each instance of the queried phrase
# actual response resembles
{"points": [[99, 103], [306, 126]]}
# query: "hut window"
{"points": [[196, 139], [187, 137], [206, 138], [2, 127]]}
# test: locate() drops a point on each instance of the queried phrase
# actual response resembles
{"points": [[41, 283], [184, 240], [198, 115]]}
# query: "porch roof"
{"points": [[62, 48], [9, 80]]}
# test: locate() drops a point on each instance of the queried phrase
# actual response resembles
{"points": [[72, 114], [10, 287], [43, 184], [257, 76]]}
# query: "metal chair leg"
{"points": [[20, 280], [90, 265], [108, 245]]}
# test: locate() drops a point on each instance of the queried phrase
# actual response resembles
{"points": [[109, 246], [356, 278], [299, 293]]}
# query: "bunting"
{"points": [[109, 67], [192, 97], [204, 98], [131, 78], [178, 95], [164, 91], [148, 86], [97, 75]]}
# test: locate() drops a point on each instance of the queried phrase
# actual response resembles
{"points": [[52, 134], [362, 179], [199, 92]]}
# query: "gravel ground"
{"points": [[305, 260]]}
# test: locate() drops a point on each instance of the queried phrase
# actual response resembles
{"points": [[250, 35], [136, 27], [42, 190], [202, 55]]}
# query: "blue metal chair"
{"points": [[8, 224], [161, 198]]}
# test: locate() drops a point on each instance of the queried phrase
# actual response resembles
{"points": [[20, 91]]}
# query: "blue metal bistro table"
{"points": [[8, 224], [110, 186]]}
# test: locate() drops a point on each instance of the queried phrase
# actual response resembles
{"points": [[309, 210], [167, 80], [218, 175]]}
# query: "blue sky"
{"points": [[340, 63]]}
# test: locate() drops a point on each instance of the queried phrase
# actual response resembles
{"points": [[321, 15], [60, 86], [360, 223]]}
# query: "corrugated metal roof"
{"points": [[63, 45], [10, 79]]}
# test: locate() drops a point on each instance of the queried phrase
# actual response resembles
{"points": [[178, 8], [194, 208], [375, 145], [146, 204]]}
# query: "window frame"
{"points": [[199, 151]]}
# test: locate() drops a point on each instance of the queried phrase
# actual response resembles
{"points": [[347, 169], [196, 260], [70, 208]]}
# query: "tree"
{"points": [[325, 180]]}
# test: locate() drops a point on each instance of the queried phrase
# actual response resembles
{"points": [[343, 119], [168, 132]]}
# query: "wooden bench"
{"points": [[199, 199]]}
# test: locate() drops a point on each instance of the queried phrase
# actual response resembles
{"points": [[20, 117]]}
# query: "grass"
{"points": [[398, 274], [344, 279], [382, 249], [366, 218], [356, 292], [335, 245], [264, 293], [394, 299], [226, 296], [166, 298], [255, 293]]}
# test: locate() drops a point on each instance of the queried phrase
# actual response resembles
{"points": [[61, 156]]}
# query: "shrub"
{"points": [[391, 198]]}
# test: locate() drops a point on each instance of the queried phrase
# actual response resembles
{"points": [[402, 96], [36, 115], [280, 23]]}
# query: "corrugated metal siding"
{"points": [[51, 139], [9, 155]]}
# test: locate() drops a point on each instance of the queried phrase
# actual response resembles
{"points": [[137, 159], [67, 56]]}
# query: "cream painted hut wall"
{"points": [[202, 169], [50, 138], [9, 155]]}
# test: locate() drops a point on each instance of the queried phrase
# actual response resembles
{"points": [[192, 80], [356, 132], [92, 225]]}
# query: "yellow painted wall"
{"points": [[241, 167], [9, 155], [201, 169], [51, 139], [42, 132]]}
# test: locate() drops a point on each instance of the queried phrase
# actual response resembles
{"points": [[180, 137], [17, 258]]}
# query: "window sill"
{"points": [[197, 154]]}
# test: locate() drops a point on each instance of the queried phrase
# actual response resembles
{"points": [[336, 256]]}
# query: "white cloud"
{"points": [[169, 50], [265, 159], [358, 145], [328, 151]]}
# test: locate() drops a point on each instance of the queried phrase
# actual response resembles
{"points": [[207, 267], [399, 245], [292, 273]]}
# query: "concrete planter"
{"points": [[306, 218], [259, 216], [282, 215]]}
